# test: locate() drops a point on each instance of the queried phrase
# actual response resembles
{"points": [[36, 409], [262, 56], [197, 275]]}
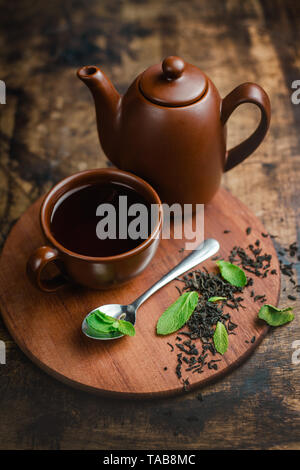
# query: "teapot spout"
{"points": [[107, 103]]}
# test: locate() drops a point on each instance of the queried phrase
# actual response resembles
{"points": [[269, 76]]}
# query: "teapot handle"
{"points": [[246, 93]]}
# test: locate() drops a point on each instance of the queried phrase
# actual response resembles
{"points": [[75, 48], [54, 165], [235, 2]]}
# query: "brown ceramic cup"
{"points": [[93, 272]]}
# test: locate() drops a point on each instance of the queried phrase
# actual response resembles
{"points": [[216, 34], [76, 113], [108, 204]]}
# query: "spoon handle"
{"points": [[208, 248]]}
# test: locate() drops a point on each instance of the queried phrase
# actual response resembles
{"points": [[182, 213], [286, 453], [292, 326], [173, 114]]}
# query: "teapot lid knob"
{"points": [[173, 67], [173, 82]]}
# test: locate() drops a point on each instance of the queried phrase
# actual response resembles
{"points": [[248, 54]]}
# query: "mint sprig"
{"points": [[126, 328], [102, 323]]}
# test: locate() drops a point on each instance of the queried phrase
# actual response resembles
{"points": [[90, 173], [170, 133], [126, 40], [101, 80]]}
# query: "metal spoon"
{"points": [[128, 312]]}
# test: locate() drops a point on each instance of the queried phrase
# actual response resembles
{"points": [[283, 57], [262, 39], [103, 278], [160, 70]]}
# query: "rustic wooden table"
{"points": [[47, 131]]}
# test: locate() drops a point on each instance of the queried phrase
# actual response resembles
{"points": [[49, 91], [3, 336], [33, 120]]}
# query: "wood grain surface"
{"points": [[47, 131], [47, 327]]}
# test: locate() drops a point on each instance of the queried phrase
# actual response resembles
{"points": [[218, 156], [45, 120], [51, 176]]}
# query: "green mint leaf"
{"points": [[275, 316], [232, 273], [102, 323], [105, 318], [126, 328], [216, 299], [221, 338], [177, 314], [98, 324]]}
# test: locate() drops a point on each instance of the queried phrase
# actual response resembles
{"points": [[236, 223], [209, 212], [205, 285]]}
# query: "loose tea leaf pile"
{"points": [[207, 314], [255, 262], [216, 295]]}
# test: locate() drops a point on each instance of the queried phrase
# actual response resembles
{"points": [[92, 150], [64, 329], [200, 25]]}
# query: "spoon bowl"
{"points": [[119, 312], [128, 312]]}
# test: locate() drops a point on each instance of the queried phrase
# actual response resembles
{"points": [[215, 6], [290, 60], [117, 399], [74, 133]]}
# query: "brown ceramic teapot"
{"points": [[170, 127]]}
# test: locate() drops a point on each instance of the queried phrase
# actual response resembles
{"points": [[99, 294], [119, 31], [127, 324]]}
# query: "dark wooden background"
{"points": [[47, 131]]}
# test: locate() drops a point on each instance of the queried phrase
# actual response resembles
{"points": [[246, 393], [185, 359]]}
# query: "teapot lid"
{"points": [[173, 83]]}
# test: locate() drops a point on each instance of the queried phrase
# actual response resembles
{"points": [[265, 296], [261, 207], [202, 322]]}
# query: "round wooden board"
{"points": [[47, 327]]}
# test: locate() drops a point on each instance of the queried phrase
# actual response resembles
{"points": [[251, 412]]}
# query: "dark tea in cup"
{"points": [[74, 219]]}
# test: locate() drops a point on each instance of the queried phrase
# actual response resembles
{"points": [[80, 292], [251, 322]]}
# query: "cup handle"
{"points": [[36, 264], [246, 93]]}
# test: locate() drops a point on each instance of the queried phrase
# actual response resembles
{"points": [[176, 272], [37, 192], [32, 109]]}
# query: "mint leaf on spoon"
{"points": [[103, 317], [95, 322], [126, 328], [102, 323]]}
